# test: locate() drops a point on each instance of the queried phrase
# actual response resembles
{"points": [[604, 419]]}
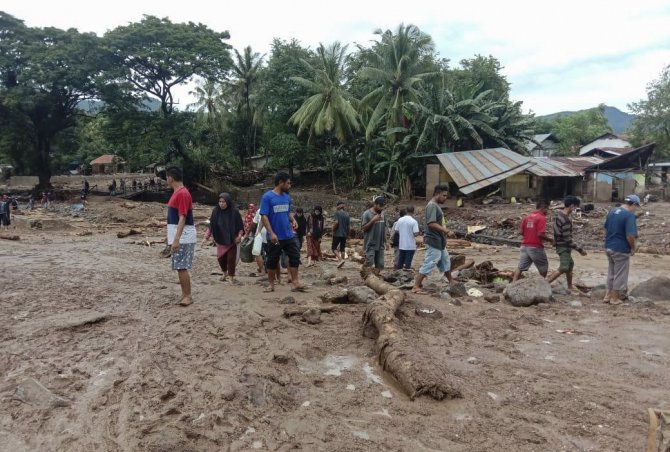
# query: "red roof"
{"points": [[107, 159]]}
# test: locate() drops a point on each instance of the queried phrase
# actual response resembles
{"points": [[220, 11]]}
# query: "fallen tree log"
{"points": [[416, 373], [10, 237]]}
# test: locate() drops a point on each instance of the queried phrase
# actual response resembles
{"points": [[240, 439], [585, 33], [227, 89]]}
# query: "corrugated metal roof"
{"points": [[549, 167], [105, 159], [578, 164], [472, 170], [530, 145]]}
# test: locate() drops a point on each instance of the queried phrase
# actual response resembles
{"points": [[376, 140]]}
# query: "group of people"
{"points": [[7, 204], [620, 243], [284, 229]]}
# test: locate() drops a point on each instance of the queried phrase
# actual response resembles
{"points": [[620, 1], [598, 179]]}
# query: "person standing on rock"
{"points": [[278, 220], [408, 229], [435, 239], [315, 225], [340, 232], [181, 234], [620, 244], [534, 232], [375, 238], [227, 228], [563, 241]]}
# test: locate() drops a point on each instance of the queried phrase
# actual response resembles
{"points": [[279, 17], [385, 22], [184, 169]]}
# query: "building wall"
{"points": [[519, 185], [432, 178], [602, 187]]}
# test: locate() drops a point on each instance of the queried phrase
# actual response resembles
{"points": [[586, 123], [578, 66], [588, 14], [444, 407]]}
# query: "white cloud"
{"points": [[542, 47]]}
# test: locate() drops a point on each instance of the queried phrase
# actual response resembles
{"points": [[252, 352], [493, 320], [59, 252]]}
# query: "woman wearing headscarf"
{"points": [[315, 225], [249, 218], [227, 228]]}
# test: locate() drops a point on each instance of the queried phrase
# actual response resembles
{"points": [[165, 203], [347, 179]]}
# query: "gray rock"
{"points": [[492, 298], [457, 289], [362, 294], [287, 300], [445, 296], [472, 360], [312, 316], [598, 292], [528, 291], [328, 272], [655, 289], [456, 302], [335, 296], [576, 304]]}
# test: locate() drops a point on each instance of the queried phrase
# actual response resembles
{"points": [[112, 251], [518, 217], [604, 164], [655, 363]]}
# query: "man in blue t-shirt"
{"points": [[620, 236], [280, 225]]}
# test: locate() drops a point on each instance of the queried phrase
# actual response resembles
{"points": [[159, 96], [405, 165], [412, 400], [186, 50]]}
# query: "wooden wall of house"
{"points": [[521, 185], [602, 187], [436, 174]]}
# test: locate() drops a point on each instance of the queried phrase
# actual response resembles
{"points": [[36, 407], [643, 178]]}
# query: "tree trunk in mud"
{"points": [[43, 165], [416, 372]]}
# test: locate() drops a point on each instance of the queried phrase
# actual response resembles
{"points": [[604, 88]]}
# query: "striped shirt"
{"points": [[563, 232], [180, 204]]}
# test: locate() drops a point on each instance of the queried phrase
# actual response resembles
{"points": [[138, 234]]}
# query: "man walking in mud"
{"points": [[181, 235], [435, 239], [563, 241], [534, 232], [620, 244], [340, 232], [375, 238], [280, 224]]}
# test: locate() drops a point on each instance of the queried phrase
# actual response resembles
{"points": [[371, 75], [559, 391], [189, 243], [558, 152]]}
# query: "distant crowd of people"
{"points": [[150, 184]]}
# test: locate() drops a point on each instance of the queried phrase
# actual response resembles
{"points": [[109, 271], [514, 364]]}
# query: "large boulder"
{"points": [[655, 289], [362, 294], [528, 291]]}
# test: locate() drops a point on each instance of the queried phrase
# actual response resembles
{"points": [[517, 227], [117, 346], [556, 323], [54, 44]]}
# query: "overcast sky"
{"points": [[558, 56]]}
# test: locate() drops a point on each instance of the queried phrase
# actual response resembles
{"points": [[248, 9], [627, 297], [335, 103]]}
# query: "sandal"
{"points": [[419, 292], [302, 289]]}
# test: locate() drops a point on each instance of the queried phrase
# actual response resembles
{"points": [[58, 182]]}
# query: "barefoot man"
{"points": [[280, 225], [534, 232], [340, 232], [181, 231], [435, 239]]}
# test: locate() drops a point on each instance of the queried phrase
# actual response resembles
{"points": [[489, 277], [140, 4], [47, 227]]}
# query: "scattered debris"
{"points": [[32, 392]]}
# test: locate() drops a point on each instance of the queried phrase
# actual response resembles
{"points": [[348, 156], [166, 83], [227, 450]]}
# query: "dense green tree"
{"points": [[577, 129], [46, 73], [653, 116], [328, 111]]}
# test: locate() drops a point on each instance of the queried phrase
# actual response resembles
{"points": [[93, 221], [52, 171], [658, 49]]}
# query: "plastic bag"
{"points": [[258, 245], [246, 248]]}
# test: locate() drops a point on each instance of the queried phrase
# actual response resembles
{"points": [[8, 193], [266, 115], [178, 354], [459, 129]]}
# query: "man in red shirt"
{"points": [[534, 231], [181, 234]]}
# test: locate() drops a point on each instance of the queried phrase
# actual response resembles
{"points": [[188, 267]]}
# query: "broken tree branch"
{"points": [[417, 374]]}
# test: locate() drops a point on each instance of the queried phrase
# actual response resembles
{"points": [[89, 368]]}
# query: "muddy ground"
{"points": [[120, 367]]}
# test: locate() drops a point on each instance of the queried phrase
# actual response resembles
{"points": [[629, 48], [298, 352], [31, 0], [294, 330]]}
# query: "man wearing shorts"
{"points": [[375, 238], [181, 234], [435, 239], [620, 243], [280, 225], [534, 232], [340, 232], [563, 241]]}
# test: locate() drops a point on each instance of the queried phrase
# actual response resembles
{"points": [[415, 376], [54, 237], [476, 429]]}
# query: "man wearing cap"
{"points": [[374, 232], [563, 241], [620, 237]]}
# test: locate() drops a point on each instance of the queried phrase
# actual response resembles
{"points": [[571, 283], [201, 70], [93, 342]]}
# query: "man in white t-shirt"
{"points": [[408, 229]]}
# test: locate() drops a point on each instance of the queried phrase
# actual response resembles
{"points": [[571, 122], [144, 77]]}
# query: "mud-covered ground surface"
{"points": [[96, 356]]}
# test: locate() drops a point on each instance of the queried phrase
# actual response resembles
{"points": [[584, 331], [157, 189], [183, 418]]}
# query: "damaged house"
{"points": [[591, 177]]}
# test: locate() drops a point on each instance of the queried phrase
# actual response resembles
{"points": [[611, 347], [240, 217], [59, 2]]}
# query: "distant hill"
{"points": [[618, 120]]}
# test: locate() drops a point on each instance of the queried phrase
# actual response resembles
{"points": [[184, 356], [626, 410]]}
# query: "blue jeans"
{"points": [[435, 258], [405, 259]]}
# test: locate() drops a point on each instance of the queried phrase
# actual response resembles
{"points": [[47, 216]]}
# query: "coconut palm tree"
{"points": [[208, 97], [398, 70], [454, 119], [329, 110], [244, 77]]}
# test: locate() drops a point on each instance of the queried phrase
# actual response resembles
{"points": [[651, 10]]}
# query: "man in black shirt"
{"points": [[301, 232]]}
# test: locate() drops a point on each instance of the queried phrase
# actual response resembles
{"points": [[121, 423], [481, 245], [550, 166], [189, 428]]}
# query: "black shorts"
{"points": [[4, 219], [289, 247], [339, 242]]}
